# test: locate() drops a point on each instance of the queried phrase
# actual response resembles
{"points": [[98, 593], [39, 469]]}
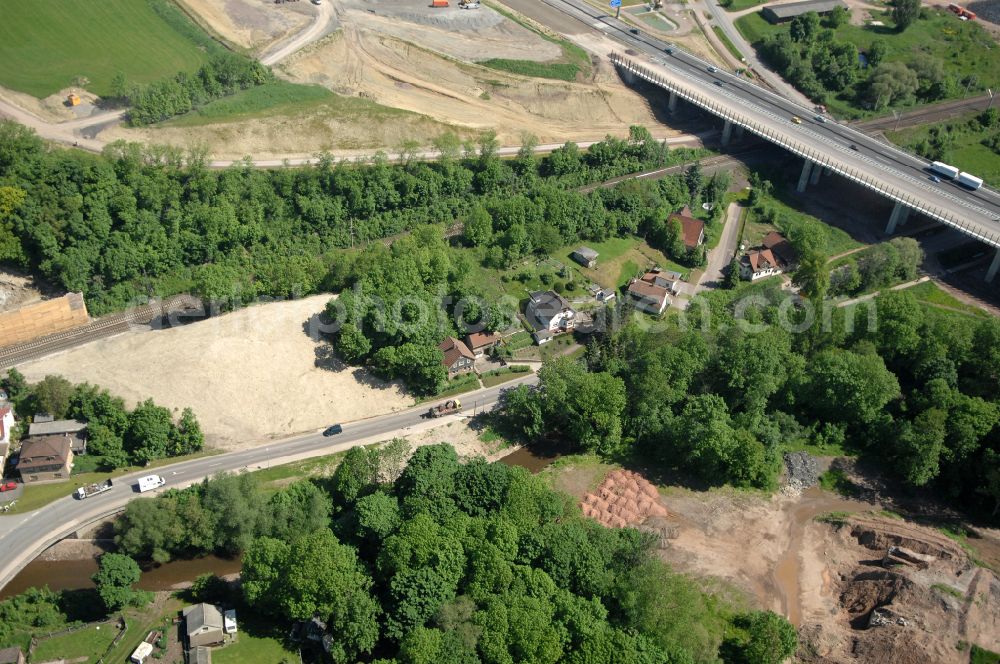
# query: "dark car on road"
{"points": [[334, 430]]}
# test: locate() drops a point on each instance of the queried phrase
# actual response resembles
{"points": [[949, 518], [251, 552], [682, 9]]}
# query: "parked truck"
{"points": [[969, 180], [446, 408], [93, 489], [150, 482]]}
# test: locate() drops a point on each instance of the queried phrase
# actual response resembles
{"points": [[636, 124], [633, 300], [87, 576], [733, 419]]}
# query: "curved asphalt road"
{"points": [[24, 536]]}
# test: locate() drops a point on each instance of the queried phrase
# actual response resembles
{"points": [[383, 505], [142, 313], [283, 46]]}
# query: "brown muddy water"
{"points": [[784, 580], [529, 460], [75, 574]]}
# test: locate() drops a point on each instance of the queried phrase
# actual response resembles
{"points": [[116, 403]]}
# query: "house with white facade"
{"points": [[549, 314]]}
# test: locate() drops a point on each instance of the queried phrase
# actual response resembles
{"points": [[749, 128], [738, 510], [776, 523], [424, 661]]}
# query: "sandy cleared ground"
{"points": [[404, 55], [17, 290], [252, 24], [827, 578], [249, 375]]}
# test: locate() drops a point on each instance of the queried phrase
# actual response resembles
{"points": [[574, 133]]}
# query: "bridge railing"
{"points": [[817, 158]]}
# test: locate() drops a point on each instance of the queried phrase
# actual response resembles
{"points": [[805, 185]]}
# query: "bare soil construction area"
{"points": [[861, 585], [252, 24], [249, 375], [405, 55]]}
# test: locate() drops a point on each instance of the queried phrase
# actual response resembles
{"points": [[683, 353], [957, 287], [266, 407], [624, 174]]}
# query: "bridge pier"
{"points": [[672, 102], [900, 213], [738, 133], [817, 171], [994, 266], [804, 177], [629, 77], [727, 132]]}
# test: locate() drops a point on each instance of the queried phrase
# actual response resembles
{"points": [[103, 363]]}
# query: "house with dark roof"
{"points": [[585, 256], [203, 625], [692, 230], [782, 13], [45, 458], [75, 429], [480, 343], [457, 356], [549, 314]]}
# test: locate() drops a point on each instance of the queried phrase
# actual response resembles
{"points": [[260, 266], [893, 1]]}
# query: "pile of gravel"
{"points": [[803, 472]]}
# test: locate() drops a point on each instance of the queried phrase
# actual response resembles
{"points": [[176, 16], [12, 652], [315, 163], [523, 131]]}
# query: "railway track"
{"points": [[101, 328]]}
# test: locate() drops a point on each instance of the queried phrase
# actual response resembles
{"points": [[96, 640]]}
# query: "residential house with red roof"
{"points": [[692, 230], [457, 356]]}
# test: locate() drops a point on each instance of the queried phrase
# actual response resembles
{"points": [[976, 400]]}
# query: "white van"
{"points": [[150, 482]]}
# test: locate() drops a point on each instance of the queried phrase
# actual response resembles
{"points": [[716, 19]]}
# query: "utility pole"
{"points": [[898, 116], [992, 96]]}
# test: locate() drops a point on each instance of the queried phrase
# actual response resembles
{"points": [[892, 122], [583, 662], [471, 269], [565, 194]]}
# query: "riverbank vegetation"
{"points": [[431, 560], [857, 70]]}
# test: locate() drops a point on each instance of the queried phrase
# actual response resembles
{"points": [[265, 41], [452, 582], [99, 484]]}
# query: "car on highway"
{"points": [[719, 83], [853, 147], [820, 119], [333, 430], [796, 119], [934, 178], [668, 51], [713, 69], [8, 486], [634, 31]]}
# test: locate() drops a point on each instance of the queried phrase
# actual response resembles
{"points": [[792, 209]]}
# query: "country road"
{"points": [[24, 536]]}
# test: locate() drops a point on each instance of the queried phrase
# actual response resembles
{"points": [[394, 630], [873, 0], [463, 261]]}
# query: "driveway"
{"points": [[722, 255]]}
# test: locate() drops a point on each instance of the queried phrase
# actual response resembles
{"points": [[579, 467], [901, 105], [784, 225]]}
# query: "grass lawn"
{"points": [[740, 5], [500, 376], [963, 148], [140, 621], [249, 649], [44, 46], [786, 219], [277, 98], [278, 476], [930, 294], [730, 46], [574, 60], [963, 47], [983, 656], [83, 645]]}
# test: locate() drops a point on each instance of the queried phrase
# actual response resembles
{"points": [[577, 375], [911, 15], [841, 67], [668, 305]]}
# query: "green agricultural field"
{"points": [[48, 46]]}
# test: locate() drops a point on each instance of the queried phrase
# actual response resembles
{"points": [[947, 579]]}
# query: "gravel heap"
{"points": [[803, 472]]}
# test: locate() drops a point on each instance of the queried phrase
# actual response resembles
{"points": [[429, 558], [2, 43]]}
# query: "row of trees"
{"points": [[811, 58], [224, 74], [223, 515], [912, 390], [139, 221], [118, 436]]}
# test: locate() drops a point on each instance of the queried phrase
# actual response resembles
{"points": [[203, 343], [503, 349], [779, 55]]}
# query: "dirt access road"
{"points": [[324, 17]]}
